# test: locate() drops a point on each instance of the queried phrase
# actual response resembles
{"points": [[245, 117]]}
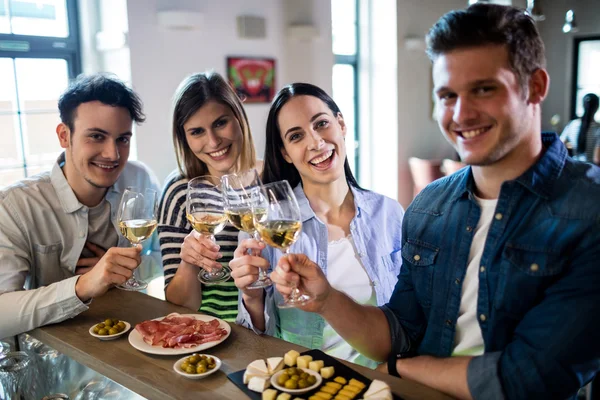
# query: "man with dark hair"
{"points": [[56, 225], [498, 294]]}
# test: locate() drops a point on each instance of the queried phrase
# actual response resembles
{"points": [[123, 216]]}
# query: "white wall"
{"points": [[161, 58], [418, 135]]}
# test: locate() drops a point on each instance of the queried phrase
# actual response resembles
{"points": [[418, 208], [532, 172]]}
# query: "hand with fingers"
{"points": [[114, 268], [85, 264], [308, 277], [245, 267], [200, 251]]}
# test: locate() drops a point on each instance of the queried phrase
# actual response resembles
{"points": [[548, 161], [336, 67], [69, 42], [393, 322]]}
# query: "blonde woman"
{"points": [[212, 136]]}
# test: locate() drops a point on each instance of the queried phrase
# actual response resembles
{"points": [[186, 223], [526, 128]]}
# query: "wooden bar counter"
{"points": [[152, 376]]}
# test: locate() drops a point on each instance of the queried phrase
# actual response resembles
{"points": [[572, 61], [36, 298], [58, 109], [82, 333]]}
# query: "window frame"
{"points": [[354, 61], [67, 48], [575, 71]]}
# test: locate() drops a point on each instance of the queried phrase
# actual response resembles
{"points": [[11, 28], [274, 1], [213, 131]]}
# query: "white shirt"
{"points": [[346, 273], [43, 231], [468, 339]]}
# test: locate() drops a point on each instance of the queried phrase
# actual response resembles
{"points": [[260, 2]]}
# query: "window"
{"points": [[585, 73], [344, 18], [39, 53]]}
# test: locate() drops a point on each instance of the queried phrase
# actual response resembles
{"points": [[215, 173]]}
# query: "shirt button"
{"points": [[448, 322], [498, 216], [469, 229], [457, 281], [482, 317], [81, 233], [417, 257], [534, 267], [360, 254], [482, 269]]}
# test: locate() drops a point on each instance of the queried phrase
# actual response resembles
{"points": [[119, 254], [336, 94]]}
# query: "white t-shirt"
{"points": [[346, 273], [468, 340]]}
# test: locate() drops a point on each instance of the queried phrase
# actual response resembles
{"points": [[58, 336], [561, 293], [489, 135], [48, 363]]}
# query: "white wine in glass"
{"points": [[137, 222], [241, 193], [206, 214], [280, 227]]}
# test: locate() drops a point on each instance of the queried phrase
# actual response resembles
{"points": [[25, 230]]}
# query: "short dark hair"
{"points": [[484, 24], [276, 168], [105, 88]]}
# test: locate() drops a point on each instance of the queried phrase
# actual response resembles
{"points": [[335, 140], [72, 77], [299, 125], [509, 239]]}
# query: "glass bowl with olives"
{"points": [[296, 380], [197, 366], [109, 329]]}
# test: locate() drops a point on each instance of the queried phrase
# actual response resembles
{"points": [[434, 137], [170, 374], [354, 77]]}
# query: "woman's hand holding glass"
{"points": [[206, 214], [246, 266], [200, 251]]}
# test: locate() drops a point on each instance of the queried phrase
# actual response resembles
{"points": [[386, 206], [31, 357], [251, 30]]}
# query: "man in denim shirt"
{"points": [[500, 260]]}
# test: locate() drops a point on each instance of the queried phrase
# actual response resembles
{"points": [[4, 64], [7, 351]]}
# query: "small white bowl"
{"points": [[177, 365], [110, 337], [297, 391]]}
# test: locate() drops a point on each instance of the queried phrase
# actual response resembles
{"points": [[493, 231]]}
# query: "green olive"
{"points": [[184, 365], [121, 325], [311, 380], [113, 331], [100, 325], [108, 322], [210, 366], [304, 375], [115, 321], [103, 332], [96, 330], [295, 378], [281, 379], [302, 383], [190, 369], [292, 371], [194, 359], [200, 369], [291, 384]]}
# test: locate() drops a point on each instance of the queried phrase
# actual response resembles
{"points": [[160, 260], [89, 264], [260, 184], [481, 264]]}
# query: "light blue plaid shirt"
{"points": [[377, 233]]}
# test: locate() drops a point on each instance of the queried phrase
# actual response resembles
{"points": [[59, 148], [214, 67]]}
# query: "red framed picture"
{"points": [[252, 78]]}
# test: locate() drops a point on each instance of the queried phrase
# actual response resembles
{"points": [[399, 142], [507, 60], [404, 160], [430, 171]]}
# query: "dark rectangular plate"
{"points": [[340, 370]]}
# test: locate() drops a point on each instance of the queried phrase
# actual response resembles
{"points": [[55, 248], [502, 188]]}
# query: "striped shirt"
{"points": [[571, 133], [219, 300]]}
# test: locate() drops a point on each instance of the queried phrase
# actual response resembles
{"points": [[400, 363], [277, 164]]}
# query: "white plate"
{"points": [[136, 340], [196, 376], [110, 337], [296, 391]]}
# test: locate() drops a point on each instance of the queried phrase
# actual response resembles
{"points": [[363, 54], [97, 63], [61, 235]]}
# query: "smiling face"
{"points": [[480, 106], [97, 148], [215, 136], [313, 139]]}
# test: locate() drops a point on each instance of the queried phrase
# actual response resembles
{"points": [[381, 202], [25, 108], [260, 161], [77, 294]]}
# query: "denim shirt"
{"points": [[377, 233], [538, 302]]}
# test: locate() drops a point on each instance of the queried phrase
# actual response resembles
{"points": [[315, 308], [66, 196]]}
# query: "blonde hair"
{"points": [[194, 92]]}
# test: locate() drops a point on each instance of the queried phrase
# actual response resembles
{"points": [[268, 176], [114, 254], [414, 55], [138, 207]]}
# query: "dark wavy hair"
{"points": [[102, 87], [275, 167], [590, 106], [484, 24]]}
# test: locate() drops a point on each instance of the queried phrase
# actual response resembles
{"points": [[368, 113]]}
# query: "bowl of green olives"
{"points": [[296, 380], [109, 329], [197, 366]]}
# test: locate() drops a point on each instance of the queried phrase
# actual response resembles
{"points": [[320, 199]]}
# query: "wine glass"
{"points": [[279, 226], [137, 222], [206, 214], [241, 193]]}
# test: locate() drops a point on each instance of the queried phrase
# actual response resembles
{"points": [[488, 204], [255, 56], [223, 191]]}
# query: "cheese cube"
{"points": [[358, 384], [269, 394], [249, 374], [284, 396], [290, 358], [327, 372], [341, 380], [316, 365], [258, 384], [302, 361]]}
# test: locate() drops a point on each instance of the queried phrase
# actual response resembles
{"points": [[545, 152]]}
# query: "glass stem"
{"points": [[295, 294], [262, 274]]}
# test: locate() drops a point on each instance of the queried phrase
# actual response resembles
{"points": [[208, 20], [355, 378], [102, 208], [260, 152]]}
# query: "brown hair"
{"points": [[484, 24], [194, 92]]}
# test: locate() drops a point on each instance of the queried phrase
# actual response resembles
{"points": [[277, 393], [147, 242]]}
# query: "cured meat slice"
{"points": [[177, 331]]}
